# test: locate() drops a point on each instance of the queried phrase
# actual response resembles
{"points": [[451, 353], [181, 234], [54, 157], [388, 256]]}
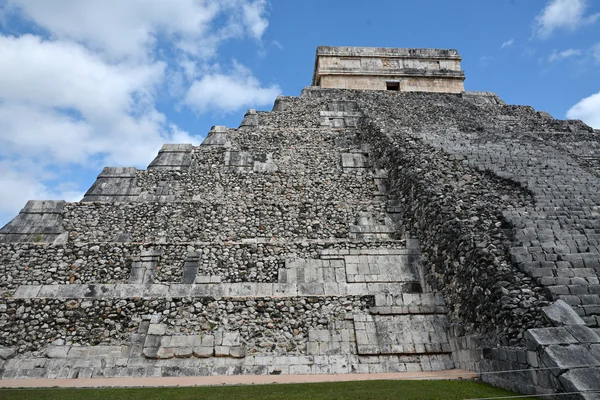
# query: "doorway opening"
{"points": [[393, 85]]}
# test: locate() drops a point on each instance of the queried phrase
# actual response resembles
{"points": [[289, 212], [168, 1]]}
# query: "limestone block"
{"points": [[546, 336], [6, 353], [560, 313], [152, 341], [58, 351], [151, 352], [222, 351], [581, 380], [237, 352], [206, 340], [311, 289], [78, 352], [165, 352], [114, 184], [172, 156], [157, 329], [565, 357], [27, 291], [183, 352], [354, 160], [583, 334], [203, 352], [250, 119]]}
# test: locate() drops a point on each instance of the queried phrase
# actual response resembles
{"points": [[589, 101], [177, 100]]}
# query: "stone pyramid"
{"points": [[345, 231]]}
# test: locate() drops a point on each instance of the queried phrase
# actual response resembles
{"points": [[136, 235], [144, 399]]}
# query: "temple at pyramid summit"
{"points": [[406, 70], [385, 220]]}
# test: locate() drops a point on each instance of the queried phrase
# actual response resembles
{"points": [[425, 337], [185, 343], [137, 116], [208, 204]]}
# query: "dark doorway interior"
{"points": [[393, 85]]}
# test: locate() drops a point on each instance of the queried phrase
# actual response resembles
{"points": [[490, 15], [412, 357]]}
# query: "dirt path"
{"points": [[231, 380]]}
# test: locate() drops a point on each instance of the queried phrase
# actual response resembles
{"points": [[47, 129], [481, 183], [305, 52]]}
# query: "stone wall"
{"points": [[345, 231], [270, 248], [428, 70], [407, 83]]}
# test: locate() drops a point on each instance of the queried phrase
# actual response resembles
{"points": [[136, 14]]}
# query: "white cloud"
{"points": [[587, 110], [130, 29], [229, 92], [508, 43], [63, 104], [561, 55], [254, 19], [563, 14], [596, 52], [84, 96], [20, 185]]}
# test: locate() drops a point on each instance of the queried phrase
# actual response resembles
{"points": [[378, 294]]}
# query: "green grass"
{"points": [[356, 390]]}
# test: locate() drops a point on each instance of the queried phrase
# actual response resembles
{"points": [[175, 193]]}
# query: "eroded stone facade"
{"points": [[345, 231], [404, 70]]}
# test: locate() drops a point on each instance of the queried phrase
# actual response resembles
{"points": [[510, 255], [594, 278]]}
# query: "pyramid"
{"points": [[396, 228]]}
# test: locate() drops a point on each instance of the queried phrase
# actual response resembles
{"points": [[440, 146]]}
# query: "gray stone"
{"points": [[560, 313], [546, 336], [583, 334], [565, 357], [581, 379], [6, 353]]}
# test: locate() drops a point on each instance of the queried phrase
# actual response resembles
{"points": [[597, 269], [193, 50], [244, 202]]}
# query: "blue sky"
{"points": [[86, 83]]}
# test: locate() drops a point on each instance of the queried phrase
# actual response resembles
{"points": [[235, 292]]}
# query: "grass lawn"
{"points": [[358, 390]]}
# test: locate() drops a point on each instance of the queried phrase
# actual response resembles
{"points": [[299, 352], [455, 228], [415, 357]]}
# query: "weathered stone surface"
{"points": [[581, 379], [39, 222], [337, 234], [6, 353], [565, 357], [392, 69], [560, 313], [546, 336]]}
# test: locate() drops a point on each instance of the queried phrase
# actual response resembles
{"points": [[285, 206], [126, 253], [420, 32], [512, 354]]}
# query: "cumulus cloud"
{"points": [[561, 55], [563, 15], [19, 184], [62, 104], [229, 92], [80, 89], [129, 29], [508, 43], [587, 110]]}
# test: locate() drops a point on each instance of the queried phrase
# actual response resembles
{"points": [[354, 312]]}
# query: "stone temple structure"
{"points": [[404, 70], [345, 231]]}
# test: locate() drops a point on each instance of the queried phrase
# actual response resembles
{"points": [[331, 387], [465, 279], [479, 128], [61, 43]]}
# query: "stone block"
{"points": [[7, 352], [165, 352], [560, 313], [183, 352], [157, 329], [27, 291], [221, 351], [581, 380], [208, 341], [311, 289], [78, 352], [151, 352], [583, 334], [203, 352], [237, 352], [565, 357], [153, 341], [546, 336]]}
